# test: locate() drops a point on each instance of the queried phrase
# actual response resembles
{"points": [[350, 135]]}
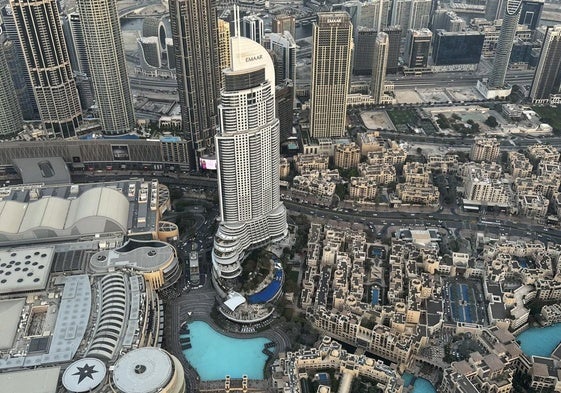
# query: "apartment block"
{"points": [[362, 188], [347, 156], [310, 162]]}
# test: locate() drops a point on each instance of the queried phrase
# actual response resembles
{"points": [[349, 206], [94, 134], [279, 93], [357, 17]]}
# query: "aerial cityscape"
{"points": [[280, 196]]}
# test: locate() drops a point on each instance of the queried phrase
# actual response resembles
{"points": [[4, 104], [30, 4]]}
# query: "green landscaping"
{"points": [[550, 115], [401, 118]]}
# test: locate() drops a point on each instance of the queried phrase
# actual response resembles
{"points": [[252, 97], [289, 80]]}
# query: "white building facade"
{"points": [[248, 156]]}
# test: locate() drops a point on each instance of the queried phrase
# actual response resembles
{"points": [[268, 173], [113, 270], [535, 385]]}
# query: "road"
{"points": [[381, 221]]}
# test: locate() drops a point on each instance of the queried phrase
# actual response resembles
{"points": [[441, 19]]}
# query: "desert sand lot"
{"points": [[379, 119]]}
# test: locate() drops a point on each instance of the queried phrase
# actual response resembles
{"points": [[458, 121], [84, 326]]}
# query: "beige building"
{"points": [[540, 152], [284, 168], [423, 194], [417, 173], [381, 174], [519, 165], [479, 187], [485, 149], [347, 156], [331, 69], [532, 205], [370, 141], [223, 47], [310, 162], [362, 188]]}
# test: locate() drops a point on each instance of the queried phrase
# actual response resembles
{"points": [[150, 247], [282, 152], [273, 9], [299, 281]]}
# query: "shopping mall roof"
{"points": [[143, 370], [141, 255], [24, 269], [10, 312], [40, 380], [31, 212], [84, 375], [44, 170]]}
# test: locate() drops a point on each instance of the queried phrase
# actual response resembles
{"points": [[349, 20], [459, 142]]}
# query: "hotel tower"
{"points": [[248, 154]]}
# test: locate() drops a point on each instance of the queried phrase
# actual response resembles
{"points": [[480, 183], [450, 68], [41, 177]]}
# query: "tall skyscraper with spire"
{"points": [[106, 59], [248, 155], [504, 45], [331, 67], [40, 33], [195, 40], [547, 79], [381, 48]]}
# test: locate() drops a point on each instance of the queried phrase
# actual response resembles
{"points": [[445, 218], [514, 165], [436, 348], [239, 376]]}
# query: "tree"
{"points": [[491, 121]]}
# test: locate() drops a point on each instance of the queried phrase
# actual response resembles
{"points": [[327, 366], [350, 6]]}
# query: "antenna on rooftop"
{"points": [[236, 20]]}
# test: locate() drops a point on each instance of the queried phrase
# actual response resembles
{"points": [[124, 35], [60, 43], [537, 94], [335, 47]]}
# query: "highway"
{"points": [[379, 223]]}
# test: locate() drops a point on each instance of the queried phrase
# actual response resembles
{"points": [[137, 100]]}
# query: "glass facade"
{"points": [[457, 48]]}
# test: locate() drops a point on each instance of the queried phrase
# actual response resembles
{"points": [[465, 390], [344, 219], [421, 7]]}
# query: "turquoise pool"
{"points": [[214, 356], [420, 385], [540, 341]]}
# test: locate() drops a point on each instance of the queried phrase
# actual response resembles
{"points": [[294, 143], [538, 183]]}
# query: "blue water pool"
{"points": [[420, 385], [540, 341], [214, 356], [270, 291]]}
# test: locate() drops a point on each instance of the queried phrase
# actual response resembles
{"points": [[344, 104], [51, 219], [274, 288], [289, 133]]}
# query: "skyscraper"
{"points": [[11, 120], [394, 36], [252, 28], [248, 154], [282, 23], [195, 39], [18, 67], [531, 13], [364, 42], [44, 48], [381, 48], [504, 45], [420, 14], [547, 79], [417, 48], [331, 67], [106, 59], [223, 47]]}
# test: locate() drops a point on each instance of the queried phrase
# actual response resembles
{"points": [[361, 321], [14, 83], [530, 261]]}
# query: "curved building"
{"points": [[148, 370], [248, 155], [97, 210], [504, 45], [155, 260]]}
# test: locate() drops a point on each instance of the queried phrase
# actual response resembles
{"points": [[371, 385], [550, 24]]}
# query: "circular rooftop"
{"points": [[143, 370], [84, 375]]}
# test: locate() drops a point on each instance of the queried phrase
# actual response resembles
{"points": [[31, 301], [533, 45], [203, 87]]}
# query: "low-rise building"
{"points": [[519, 165], [347, 156], [541, 152], [485, 149], [532, 205], [311, 162], [362, 188], [423, 194], [381, 174]]}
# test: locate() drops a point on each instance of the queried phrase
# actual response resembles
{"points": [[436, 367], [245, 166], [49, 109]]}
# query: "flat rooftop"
{"points": [[40, 380], [23, 270], [10, 312]]}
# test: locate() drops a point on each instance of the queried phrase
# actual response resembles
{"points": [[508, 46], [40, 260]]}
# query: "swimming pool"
{"points": [[270, 291], [214, 355], [540, 341], [420, 385]]}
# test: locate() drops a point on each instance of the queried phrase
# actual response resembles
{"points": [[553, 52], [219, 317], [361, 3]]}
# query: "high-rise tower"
{"points": [[331, 67], [18, 67], [44, 48], [248, 154], [381, 48], [504, 45], [547, 79], [106, 59], [11, 120], [195, 39]]}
